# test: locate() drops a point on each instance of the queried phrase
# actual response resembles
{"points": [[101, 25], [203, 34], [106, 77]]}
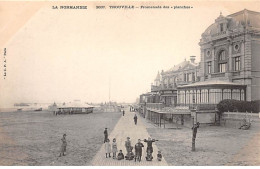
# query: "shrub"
{"points": [[255, 106], [240, 106]]}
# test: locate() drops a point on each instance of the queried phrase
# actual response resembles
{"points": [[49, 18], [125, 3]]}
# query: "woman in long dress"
{"points": [[108, 148]]}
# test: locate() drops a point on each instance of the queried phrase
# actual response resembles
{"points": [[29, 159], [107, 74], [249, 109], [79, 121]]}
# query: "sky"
{"points": [[63, 55]]}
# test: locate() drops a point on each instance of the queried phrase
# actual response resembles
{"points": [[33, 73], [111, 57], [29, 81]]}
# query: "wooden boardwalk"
{"points": [[123, 129]]}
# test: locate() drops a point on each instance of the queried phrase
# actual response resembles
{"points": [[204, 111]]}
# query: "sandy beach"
{"points": [[34, 138]]}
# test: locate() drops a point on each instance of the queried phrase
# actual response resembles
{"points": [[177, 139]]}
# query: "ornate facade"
{"points": [[229, 67], [166, 83], [230, 60]]}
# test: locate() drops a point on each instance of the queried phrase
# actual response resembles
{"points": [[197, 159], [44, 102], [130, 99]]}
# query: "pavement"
{"points": [[123, 129]]}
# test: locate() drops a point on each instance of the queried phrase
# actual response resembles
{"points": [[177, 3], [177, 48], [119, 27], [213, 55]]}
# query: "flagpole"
{"points": [[109, 90]]}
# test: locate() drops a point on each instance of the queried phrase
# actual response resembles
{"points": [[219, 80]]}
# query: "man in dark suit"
{"points": [[106, 135]]}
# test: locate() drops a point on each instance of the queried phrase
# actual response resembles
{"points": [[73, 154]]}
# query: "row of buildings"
{"points": [[229, 66]]}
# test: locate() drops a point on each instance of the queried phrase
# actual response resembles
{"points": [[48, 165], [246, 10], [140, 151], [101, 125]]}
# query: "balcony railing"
{"points": [[157, 106], [214, 75], [162, 87]]}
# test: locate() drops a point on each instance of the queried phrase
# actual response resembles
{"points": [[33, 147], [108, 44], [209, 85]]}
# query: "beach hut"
{"points": [[74, 108]]}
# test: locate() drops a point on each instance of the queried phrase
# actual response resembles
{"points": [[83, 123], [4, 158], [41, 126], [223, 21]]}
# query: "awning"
{"points": [[212, 83], [174, 111]]}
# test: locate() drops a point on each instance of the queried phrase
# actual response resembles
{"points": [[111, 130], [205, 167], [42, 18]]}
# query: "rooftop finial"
{"points": [[220, 13]]}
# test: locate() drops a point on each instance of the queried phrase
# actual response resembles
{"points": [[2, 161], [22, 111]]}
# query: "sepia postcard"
{"points": [[130, 83]]}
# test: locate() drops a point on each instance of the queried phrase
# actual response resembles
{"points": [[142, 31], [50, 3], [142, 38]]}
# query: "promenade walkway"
{"points": [[123, 129]]}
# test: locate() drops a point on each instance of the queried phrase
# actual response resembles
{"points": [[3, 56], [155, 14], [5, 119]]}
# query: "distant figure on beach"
{"points": [[159, 156], [138, 150], [120, 155], [149, 149], [135, 119], [108, 148], [128, 145], [63, 145], [194, 133], [106, 135], [114, 148], [123, 112]]}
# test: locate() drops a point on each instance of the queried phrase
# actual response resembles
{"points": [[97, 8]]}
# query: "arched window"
{"points": [[222, 61], [222, 55]]}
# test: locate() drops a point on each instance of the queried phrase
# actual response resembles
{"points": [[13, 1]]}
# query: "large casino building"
{"points": [[229, 66]]}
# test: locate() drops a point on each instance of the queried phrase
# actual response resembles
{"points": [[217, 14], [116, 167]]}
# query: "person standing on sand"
{"points": [[194, 133], [114, 148], [63, 146], [106, 135], [108, 148], [128, 145], [123, 113], [149, 149], [138, 150], [135, 119]]}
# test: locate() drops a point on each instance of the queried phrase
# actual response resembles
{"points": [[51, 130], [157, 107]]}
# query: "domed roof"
{"points": [[235, 22], [212, 29]]}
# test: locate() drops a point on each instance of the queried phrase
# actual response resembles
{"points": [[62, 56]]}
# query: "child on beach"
{"points": [[130, 155], [114, 148], [63, 146], [159, 156], [108, 148], [120, 155]]}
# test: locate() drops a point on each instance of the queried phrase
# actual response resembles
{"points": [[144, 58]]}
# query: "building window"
{"points": [[222, 62], [226, 94], [188, 77], [222, 55], [237, 63], [222, 67], [193, 77], [184, 75], [209, 67]]}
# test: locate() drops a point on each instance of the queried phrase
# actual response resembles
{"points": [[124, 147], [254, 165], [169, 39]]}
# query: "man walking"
{"points": [[106, 135], [135, 119]]}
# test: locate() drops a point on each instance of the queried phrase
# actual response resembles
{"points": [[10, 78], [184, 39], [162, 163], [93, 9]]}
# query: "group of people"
{"points": [[129, 150], [112, 148], [133, 109]]}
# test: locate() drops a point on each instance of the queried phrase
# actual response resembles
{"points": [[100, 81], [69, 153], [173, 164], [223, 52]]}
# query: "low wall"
{"points": [[206, 118], [236, 119]]}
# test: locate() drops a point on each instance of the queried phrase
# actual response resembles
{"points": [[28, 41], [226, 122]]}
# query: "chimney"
{"points": [[192, 59]]}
